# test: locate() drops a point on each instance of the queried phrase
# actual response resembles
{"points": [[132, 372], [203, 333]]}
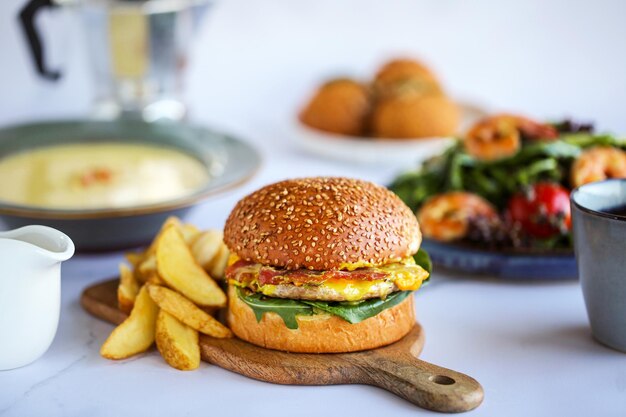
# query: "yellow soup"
{"points": [[103, 175]]}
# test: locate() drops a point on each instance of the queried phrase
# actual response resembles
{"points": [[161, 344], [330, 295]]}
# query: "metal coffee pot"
{"points": [[138, 50]]}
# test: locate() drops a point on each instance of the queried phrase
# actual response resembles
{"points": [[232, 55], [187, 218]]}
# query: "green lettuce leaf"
{"points": [[352, 312], [285, 308], [356, 312]]}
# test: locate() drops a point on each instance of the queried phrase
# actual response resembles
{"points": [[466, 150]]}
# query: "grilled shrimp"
{"points": [[500, 136], [597, 164], [446, 217]]}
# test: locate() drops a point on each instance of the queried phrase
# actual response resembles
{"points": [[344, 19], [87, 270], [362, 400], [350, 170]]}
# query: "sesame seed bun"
{"points": [[320, 333], [322, 223]]}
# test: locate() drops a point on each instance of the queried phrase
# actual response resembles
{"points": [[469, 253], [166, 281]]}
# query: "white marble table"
{"points": [[528, 343]]}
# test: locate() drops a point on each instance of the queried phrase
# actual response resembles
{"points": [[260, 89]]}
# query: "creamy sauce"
{"points": [[103, 175]]}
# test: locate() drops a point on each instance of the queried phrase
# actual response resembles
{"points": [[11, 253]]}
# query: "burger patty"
{"points": [[333, 285], [328, 292]]}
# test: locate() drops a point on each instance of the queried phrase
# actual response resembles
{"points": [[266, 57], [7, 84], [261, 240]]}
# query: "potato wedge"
{"points": [[136, 333], [177, 342], [147, 267], [187, 312], [206, 246], [219, 262], [127, 290], [190, 233], [134, 258], [154, 279], [177, 267], [171, 221]]}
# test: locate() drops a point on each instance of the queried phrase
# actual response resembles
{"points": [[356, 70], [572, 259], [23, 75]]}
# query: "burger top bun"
{"points": [[322, 223]]}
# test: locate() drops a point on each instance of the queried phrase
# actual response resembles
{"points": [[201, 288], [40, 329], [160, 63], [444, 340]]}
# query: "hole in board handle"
{"points": [[442, 379]]}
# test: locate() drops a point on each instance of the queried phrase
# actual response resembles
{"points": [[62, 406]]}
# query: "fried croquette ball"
{"points": [[339, 106], [402, 76], [413, 116]]}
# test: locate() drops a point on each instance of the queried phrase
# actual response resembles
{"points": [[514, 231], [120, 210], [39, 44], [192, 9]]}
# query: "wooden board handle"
{"points": [[425, 385]]}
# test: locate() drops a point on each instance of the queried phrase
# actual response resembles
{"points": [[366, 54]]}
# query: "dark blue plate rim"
{"points": [[502, 265]]}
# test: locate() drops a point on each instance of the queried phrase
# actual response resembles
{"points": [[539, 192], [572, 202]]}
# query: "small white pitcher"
{"points": [[30, 291]]}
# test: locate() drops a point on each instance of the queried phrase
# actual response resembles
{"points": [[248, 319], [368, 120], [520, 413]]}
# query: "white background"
{"points": [[253, 63], [547, 59]]}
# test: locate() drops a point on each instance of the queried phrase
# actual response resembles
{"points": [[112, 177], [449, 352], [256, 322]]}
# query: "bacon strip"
{"points": [[231, 270]]}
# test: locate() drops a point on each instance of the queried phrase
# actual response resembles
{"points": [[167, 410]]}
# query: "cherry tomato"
{"points": [[543, 210]]}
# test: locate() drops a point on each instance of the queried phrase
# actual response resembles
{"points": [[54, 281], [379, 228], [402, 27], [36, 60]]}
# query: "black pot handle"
{"points": [[27, 18]]}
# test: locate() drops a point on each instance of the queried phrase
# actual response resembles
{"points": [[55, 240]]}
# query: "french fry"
{"points": [[136, 333], [177, 342], [187, 312], [127, 290], [218, 264], [206, 246], [177, 267]]}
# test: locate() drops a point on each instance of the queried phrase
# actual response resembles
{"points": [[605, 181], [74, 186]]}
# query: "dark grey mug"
{"points": [[600, 245]]}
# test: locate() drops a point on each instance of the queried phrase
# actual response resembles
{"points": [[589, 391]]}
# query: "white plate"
{"points": [[380, 152]]}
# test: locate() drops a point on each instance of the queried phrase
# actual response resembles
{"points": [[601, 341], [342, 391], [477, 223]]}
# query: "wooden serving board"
{"points": [[394, 368]]}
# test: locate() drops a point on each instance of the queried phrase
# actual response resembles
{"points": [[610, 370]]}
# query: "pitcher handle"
{"points": [[27, 18]]}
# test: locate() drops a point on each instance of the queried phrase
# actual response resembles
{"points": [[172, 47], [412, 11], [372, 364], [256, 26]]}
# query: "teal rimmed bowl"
{"points": [[229, 161]]}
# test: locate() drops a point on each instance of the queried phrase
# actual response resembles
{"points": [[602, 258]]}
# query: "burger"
{"points": [[322, 265]]}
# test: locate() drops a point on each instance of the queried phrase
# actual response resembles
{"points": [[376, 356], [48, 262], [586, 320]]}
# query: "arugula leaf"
{"points": [[357, 312], [352, 312], [285, 308], [585, 140], [531, 173], [455, 173], [498, 180]]}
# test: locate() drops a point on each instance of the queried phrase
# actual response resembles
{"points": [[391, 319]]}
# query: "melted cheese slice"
{"points": [[232, 258], [406, 275], [351, 289]]}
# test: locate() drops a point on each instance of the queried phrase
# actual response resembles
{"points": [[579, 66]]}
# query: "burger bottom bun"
{"points": [[320, 333]]}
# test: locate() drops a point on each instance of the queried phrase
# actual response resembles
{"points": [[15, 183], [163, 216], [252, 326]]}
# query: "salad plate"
{"points": [[497, 201]]}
